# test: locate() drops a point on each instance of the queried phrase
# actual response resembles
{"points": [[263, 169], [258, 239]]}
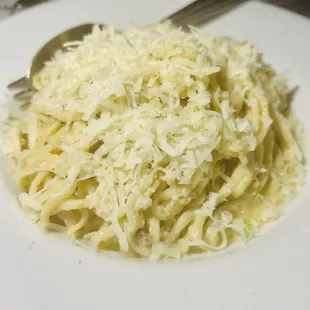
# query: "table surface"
{"points": [[299, 6]]}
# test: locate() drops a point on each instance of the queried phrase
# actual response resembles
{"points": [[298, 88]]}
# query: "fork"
{"points": [[195, 14]]}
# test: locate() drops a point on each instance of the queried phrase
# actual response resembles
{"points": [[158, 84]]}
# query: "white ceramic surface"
{"points": [[42, 272]]}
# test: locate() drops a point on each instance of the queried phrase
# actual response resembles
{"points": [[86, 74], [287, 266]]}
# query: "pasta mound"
{"points": [[156, 143]]}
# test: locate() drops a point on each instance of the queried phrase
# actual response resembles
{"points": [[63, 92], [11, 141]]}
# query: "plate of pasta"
{"points": [[156, 162]]}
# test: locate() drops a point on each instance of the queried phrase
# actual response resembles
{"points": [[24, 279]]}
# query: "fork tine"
{"points": [[24, 95], [22, 82]]}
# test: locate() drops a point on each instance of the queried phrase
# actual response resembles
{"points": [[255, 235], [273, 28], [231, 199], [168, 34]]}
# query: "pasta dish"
{"points": [[156, 143]]}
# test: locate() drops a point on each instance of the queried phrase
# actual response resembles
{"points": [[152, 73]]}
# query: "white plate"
{"points": [[41, 272]]}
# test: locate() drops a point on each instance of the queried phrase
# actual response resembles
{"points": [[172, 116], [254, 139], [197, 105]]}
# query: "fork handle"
{"points": [[201, 11]]}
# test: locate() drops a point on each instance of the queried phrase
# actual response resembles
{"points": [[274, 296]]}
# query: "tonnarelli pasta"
{"points": [[156, 143]]}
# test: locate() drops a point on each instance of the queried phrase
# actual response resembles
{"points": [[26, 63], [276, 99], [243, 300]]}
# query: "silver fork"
{"points": [[196, 14]]}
